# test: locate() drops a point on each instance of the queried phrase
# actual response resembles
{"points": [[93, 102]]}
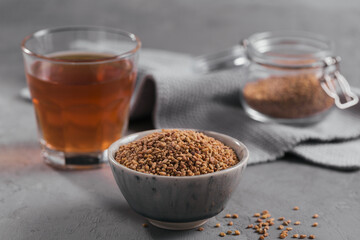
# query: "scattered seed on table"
{"points": [[265, 212], [302, 236], [296, 208], [271, 223], [256, 214], [235, 216], [315, 224], [282, 236], [297, 223], [227, 216], [288, 221], [266, 234], [259, 220], [230, 223], [237, 232], [281, 218], [217, 225], [289, 229], [229, 232], [312, 237], [145, 225], [295, 235], [280, 227], [222, 234], [261, 237], [249, 226], [200, 229], [315, 215], [285, 223]]}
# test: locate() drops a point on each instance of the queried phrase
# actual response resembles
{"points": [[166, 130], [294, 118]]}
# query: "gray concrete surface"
{"points": [[37, 202]]}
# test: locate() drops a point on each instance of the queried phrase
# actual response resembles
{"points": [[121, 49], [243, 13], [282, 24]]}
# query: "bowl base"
{"points": [[177, 226]]}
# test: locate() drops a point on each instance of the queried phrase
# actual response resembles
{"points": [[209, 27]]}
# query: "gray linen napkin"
{"points": [[178, 97]]}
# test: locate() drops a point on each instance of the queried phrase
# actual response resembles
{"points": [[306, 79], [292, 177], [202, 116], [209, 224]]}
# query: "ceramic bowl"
{"points": [[178, 203]]}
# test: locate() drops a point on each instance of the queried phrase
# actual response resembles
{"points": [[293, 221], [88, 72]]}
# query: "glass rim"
{"points": [[307, 37], [132, 37]]}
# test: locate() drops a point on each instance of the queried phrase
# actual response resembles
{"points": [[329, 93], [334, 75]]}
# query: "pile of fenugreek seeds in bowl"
{"points": [[173, 152]]}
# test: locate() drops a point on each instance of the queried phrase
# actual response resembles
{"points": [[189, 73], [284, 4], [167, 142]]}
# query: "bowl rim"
{"points": [[132, 137]]}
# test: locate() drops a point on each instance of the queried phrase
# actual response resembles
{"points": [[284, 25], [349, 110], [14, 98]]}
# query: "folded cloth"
{"points": [[178, 97]]}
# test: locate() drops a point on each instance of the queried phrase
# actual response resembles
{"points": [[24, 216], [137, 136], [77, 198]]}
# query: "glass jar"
{"points": [[291, 77]]}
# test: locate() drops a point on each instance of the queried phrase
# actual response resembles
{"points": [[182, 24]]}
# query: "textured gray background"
{"points": [[37, 202]]}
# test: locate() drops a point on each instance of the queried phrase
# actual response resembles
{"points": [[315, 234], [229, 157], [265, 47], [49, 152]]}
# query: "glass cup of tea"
{"points": [[81, 80]]}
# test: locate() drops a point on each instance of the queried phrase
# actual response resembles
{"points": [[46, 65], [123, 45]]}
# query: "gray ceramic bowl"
{"points": [[178, 202]]}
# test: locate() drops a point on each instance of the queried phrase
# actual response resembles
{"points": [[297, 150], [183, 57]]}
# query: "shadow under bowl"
{"points": [[178, 203]]}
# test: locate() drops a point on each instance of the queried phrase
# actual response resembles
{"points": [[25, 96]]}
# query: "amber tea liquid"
{"points": [[81, 101]]}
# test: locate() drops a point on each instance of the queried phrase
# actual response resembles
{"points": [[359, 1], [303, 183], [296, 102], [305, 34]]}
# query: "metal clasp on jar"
{"points": [[334, 82]]}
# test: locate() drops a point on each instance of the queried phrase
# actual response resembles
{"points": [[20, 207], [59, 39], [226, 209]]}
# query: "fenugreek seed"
{"points": [[229, 232], [271, 223], [256, 214], [266, 234], [200, 229], [315, 224], [167, 153], [312, 237], [145, 225], [296, 208], [302, 236], [235, 216], [230, 223], [272, 219], [261, 237], [284, 232], [217, 225], [282, 236], [295, 235], [280, 227], [288, 221], [227, 216], [266, 227], [289, 228], [265, 212], [316, 215], [281, 218], [249, 226], [222, 234], [285, 223], [264, 216], [297, 223], [259, 220], [237, 232]]}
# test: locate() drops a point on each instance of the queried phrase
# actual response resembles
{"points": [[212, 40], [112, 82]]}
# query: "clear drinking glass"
{"points": [[81, 80]]}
